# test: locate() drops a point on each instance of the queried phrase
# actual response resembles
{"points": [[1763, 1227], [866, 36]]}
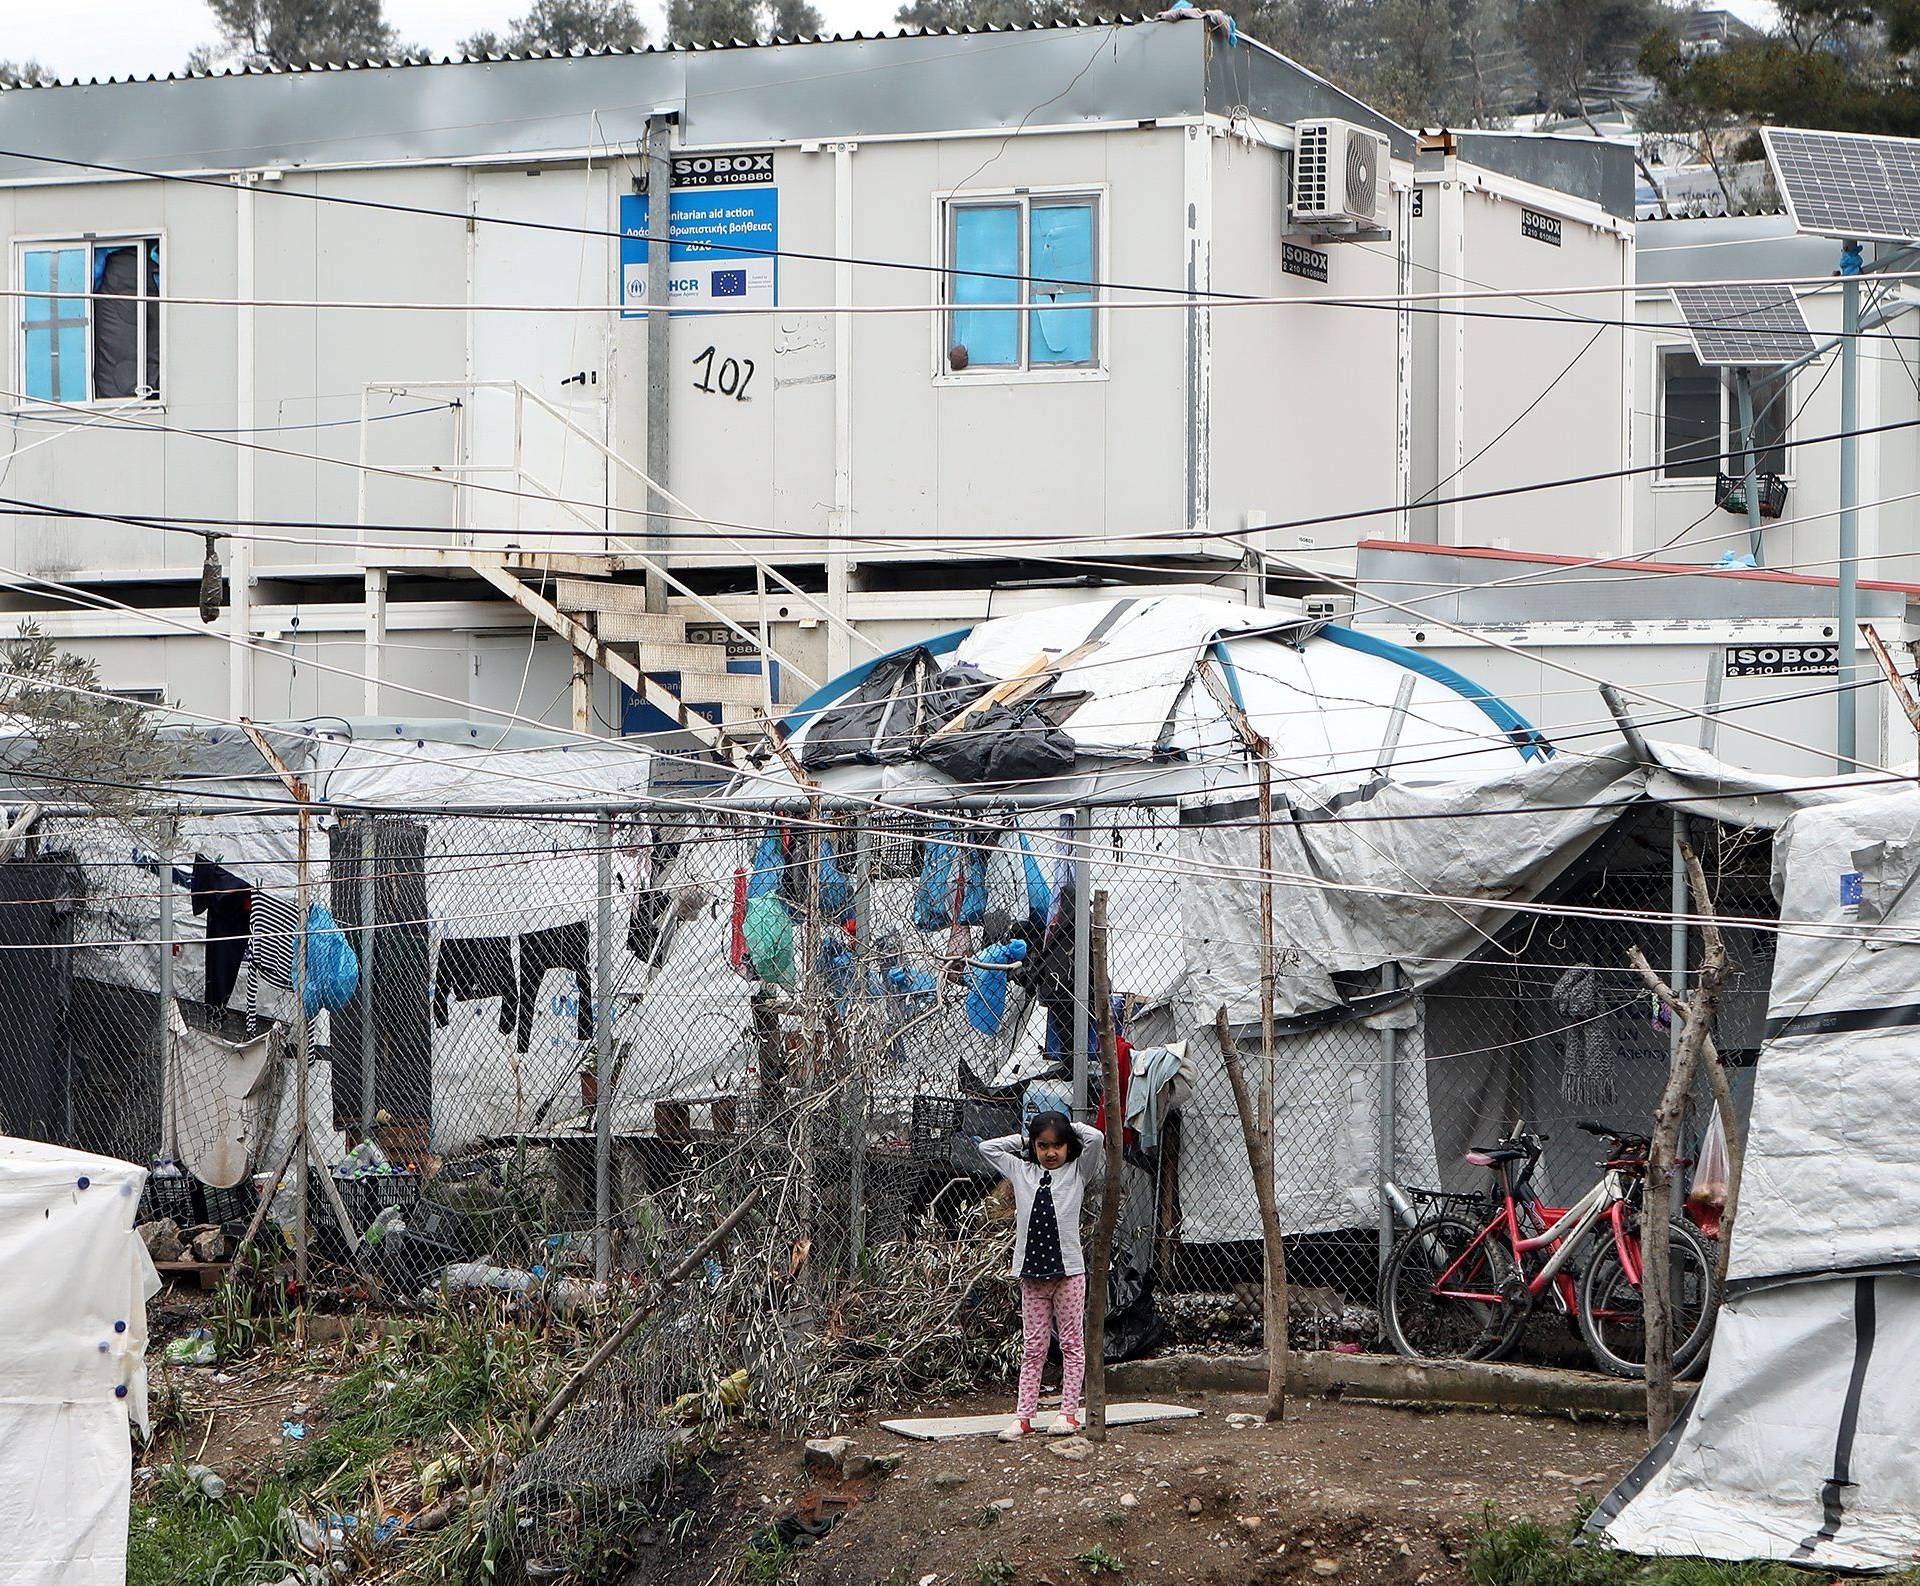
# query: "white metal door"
{"points": [[561, 360]]}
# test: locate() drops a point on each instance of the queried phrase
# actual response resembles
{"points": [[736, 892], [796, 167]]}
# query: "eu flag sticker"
{"points": [[729, 283]]}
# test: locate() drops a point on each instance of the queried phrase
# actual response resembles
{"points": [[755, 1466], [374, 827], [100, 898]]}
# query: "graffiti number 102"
{"points": [[732, 378]]}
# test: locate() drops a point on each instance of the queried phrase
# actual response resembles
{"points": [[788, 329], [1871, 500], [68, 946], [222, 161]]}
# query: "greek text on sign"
{"points": [[1783, 660], [1310, 262], [721, 254], [1542, 228], [738, 168]]}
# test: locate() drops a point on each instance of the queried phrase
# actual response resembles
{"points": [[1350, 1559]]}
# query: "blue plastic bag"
{"points": [[333, 969], [987, 984], [769, 865]]}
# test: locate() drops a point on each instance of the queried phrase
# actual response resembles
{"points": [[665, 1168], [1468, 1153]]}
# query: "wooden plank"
{"points": [[941, 1428]]}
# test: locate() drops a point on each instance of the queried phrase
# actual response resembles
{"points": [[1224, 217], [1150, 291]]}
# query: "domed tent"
{"points": [[973, 791]]}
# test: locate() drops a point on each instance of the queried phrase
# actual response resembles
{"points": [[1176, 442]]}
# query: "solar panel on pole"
{"points": [[1744, 327], [1847, 184]]}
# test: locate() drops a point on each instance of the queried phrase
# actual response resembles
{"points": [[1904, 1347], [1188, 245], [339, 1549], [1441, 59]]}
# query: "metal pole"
{"points": [[369, 937], [303, 1055], [856, 1047], [1389, 1107], [1750, 490], [603, 1056], [1082, 955], [165, 982], [659, 392], [1848, 624]]}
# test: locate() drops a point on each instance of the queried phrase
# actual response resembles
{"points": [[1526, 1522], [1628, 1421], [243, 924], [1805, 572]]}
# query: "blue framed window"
{"points": [[1023, 286], [103, 344]]}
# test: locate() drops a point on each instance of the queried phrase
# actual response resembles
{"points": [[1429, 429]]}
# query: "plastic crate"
{"points": [[1732, 494], [367, 1195], [945, 1127], [176, 1194]]}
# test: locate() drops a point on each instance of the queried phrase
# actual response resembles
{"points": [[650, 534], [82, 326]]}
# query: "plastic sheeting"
{"points": [[1804, 1440], [1350, 893], [74, 1284]]}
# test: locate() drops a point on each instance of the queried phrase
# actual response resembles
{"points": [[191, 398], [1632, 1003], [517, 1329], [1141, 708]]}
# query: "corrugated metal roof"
{"points": [[407, 63]]}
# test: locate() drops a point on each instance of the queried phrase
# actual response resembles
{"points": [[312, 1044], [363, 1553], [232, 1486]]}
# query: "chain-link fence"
{"points": [[555, 1042]]}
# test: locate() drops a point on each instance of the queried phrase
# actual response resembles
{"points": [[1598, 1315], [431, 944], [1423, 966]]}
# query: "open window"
{"points": [[1700, 420], [103, 343], [1023, 287]]}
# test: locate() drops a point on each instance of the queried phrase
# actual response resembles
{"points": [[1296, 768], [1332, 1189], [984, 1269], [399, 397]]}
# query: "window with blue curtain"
{"points": [[1060, 255], [55, 327], [1024, 286], [986, 238]]}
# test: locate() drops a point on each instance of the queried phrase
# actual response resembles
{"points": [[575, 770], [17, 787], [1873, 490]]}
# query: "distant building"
{"points": [[969, 375]]}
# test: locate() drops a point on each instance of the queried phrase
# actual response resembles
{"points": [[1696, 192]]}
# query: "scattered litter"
{"points": [[192, 1349], [296, 1430], [207, 1481]]}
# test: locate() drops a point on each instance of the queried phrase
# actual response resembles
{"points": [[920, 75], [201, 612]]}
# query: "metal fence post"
{"points": [[603, 1055], [1082, 955], [1389, 1104], [369, 937], [856, 1081], [165, 983]]}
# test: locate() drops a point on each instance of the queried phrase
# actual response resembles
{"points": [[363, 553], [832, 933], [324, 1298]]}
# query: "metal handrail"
{"points": [[567, 422]]}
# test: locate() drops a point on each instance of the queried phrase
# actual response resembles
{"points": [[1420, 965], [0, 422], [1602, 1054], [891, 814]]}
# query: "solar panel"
{"points": [[1745, 327], [1847, 184]]}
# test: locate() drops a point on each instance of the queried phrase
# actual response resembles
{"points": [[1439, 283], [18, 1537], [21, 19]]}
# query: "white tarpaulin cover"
{"points": [[74, 1286], [1803, 1443]]}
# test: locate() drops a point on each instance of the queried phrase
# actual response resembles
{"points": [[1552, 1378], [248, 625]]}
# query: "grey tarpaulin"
{"points": [[1804, 1441]]}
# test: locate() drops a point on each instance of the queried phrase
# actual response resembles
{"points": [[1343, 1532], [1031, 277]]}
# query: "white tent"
{"points": [[74, 1286], [1802, 1443]]}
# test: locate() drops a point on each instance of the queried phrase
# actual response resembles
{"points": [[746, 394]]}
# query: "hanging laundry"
{"points": [[220, 1099], [475, 969], [564, 948], [769, 936], [1587, 1063], [769, 865], [1039, 894], [737, 927], [836, 891], [942, 899], [986, 1004], [226, 900]]}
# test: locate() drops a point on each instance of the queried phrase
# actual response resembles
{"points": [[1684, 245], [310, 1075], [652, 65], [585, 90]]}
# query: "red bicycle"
{"points": [[1457, 1289]]}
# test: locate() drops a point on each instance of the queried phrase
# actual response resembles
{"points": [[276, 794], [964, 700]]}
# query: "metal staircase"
{"points": [[585, 592]]}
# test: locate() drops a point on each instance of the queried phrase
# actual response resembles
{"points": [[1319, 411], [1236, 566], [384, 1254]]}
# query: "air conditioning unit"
{"points": [[1328, 608], [1340, 176]]}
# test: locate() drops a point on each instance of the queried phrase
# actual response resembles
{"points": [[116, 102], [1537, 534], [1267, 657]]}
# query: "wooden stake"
{"points": [[1702, 1003], [1100, 1261], [1260, 1164]]}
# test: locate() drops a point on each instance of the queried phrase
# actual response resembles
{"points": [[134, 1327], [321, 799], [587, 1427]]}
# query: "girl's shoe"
{"points": [[1016, 1429], [1067, 1424]]}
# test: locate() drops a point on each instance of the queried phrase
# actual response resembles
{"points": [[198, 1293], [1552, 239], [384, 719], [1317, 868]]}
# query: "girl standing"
{"points": [[1049, 1171]]}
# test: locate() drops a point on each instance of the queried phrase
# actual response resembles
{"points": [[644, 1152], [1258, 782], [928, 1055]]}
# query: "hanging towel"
{"points": [[986, 1002], [221, 1098]]}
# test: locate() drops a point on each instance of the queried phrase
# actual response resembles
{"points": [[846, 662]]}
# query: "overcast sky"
{"points": [[116, 38]]}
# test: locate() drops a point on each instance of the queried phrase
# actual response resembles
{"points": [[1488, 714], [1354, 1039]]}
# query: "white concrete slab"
{"points": [[939, 1428]]}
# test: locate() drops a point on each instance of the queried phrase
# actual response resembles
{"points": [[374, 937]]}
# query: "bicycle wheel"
{"points": [[1423, 1325], [1612, 1317]]}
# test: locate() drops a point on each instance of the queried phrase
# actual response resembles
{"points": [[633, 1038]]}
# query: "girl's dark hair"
{"points": [[1056, 1125]]}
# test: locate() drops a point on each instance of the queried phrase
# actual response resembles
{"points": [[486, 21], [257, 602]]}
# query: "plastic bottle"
{"points": [[390, 1221], [209, 1482]]}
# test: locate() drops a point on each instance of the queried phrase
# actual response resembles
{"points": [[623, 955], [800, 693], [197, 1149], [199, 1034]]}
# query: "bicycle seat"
{"points": [[1605, 1131], [1488, 1155]]}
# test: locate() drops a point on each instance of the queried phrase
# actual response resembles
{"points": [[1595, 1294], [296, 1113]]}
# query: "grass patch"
{"points": [[180, 1537], [456, 1376], [1526, 1553]]}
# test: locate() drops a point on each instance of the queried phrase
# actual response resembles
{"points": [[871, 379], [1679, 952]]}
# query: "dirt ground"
{"points": [[1340, 1492]]}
